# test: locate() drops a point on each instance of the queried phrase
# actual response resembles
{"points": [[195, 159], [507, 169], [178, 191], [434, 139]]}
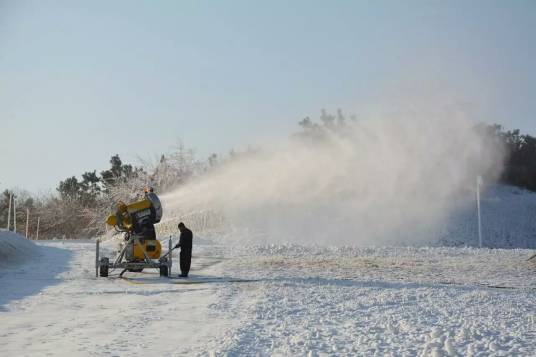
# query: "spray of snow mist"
{"points": [[377, 182]]}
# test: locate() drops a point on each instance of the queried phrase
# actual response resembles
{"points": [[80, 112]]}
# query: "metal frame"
{"points": [[119, 262]]}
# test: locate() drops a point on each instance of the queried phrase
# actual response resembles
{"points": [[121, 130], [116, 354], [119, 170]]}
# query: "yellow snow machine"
{"points": [[140, 248]]}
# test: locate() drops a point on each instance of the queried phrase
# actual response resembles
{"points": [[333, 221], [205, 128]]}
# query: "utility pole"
{"points": [[27, 221], [37, 235], [14, 213], [9, 211], [478, 184]]}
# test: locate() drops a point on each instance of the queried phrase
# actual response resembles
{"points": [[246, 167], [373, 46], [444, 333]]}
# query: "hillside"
{"points": [[508, 220]]}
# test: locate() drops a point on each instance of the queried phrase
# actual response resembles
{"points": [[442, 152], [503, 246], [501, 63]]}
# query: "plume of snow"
{"points": [[377, 182]]}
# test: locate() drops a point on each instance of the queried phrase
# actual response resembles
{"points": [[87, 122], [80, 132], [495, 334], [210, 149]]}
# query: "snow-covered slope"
{"points": [[15, 248], [508, 220]]}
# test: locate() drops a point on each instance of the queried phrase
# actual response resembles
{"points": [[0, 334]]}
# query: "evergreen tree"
{"points": [[118, 172]]}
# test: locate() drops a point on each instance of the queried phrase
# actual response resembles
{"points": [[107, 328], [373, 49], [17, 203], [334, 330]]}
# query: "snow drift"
{"points": [[14, 248], [388, 181]]}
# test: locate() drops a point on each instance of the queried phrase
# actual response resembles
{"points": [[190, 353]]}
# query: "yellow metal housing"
{"points": [[125, 216], [152, 247]]}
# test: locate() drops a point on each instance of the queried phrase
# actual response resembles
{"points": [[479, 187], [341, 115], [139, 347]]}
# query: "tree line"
{"points": [[79, 205]]}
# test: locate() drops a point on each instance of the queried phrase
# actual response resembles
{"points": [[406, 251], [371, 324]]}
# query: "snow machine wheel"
{"points": [[164, 268], [103, 268]]}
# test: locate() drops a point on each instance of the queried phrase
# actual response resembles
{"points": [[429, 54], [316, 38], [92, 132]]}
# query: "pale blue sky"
{"points": [[81, 81]]}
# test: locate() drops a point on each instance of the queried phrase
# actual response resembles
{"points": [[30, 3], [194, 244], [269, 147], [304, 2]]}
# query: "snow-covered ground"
{"points": [[258, 299], [274, 300], [70, 312], [397, 301]]}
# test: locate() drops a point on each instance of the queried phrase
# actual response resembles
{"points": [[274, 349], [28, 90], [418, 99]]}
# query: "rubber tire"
{"points": [[164, 270], [103, 268]]}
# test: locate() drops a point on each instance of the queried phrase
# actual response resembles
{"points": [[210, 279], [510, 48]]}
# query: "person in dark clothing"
{"points": [[185, 243]]}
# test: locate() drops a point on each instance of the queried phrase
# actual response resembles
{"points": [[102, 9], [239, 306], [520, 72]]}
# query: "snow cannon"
{"points": [[137, 219], [126, 216], [140, 249]]}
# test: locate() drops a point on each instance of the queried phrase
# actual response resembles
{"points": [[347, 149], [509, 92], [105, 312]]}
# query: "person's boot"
{"points": [[183, 275]]}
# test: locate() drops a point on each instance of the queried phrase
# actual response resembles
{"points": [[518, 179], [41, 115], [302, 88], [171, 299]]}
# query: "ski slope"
{"points": [[446, 299], [274, 300], [508, 220]]}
